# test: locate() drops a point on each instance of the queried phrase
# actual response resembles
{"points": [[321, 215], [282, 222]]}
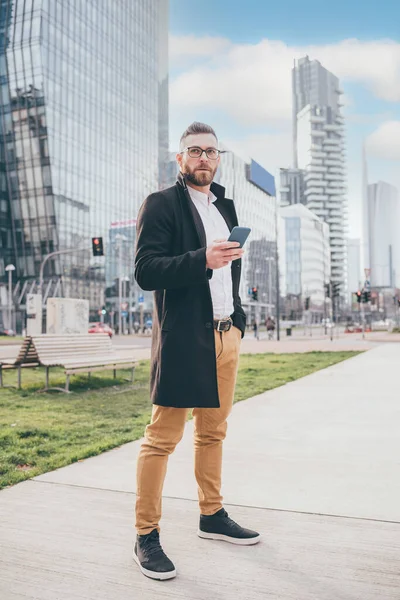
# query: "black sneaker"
{"points": [[150, 557], [221, 527]]}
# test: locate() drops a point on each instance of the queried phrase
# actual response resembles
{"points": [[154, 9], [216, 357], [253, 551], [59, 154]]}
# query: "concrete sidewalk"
{"points": [[313, 465]]}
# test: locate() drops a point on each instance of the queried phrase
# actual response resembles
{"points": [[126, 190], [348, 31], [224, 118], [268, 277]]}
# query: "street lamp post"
{"points": [[269, 259], [10, 269], [51, 255], [120, 238], [125, 279], [278, 293]]}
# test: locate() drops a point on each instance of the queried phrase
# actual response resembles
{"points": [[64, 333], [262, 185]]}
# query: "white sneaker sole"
{"points": [[154, 574], [227, 538]]}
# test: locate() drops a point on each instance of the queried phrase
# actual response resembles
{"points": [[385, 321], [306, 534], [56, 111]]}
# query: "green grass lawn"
{"points": [[40, 432]]}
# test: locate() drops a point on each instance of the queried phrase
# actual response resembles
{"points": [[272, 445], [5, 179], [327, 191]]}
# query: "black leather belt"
{"points": [[223, 324]]}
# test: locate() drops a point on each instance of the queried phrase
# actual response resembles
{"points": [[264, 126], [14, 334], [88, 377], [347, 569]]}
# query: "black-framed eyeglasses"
{"points": [[197, 152]]}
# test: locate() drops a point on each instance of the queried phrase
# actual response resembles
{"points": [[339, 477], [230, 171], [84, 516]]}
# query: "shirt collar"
{"points": [[217, 189], [200, 196]]}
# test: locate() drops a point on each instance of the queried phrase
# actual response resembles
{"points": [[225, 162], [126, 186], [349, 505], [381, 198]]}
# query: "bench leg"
{"points": [[67, 383], [47, 378], [115, 373], [19, 377]]}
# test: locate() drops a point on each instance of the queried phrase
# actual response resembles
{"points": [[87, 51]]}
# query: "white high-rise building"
{"points": [[383, 235], [305, 257], [291, 187], [253, 190], [319, 151]]}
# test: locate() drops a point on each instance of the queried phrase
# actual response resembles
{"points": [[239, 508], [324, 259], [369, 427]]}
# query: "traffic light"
{"points": [[97, 246], [327, 290], [366, 296], [336, 290], [307, 303], [358, 294], [104, 310], [254, 294]]}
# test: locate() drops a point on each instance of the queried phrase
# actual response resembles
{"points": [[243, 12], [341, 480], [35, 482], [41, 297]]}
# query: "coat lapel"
{"points": [[198, 223], [225, 207]]}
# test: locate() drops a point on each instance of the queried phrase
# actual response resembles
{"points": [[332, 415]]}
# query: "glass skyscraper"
{"points": [[83, 132]]}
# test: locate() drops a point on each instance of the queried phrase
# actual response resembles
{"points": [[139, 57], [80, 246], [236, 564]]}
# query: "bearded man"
{"points": [[183, 257]]}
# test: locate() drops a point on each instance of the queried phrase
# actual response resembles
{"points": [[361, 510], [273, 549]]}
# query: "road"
{"points": [[139, 346]]}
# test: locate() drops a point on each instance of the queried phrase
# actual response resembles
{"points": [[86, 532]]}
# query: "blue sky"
{"points": [[230, 66], [291, 20]]}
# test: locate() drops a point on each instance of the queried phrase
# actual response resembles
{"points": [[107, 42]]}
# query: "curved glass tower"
{"points": [[83, 115]]}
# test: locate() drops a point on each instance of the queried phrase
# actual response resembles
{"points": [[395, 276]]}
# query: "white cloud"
{"points": [[239, 87], [252, 83], [384, 142], [271, 150], [185, 49]]}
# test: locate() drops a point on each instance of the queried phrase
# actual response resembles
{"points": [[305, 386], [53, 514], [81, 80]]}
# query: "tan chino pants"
{"points": [[166, 430]]}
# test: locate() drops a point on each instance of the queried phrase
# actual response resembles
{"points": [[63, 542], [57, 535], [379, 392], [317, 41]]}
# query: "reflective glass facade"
{"points": [[256, 208], [84, 113]]}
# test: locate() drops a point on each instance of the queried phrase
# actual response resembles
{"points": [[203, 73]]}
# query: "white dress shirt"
{"points": [[216, 229]]}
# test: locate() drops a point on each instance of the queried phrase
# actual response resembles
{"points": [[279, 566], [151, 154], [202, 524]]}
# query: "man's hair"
{"points": [[194, 129]]}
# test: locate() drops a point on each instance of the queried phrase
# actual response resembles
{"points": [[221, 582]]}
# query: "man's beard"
{"points": [[200, 178]]}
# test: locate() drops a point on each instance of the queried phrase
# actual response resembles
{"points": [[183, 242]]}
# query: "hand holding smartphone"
{"points": [[239, 234], [219, 254]]}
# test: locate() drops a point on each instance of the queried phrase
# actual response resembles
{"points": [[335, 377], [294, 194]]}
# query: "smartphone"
{"points": [[239, 234]]}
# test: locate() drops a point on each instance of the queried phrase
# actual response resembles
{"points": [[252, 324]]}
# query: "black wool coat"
{"points": [[170, 260]]}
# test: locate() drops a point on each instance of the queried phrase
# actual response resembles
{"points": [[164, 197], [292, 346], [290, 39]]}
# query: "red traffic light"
{"points": [[97, 246]]}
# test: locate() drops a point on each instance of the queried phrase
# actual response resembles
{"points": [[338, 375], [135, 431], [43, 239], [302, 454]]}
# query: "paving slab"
{"points": [[328, 443], [314, 465], [66, 543]]}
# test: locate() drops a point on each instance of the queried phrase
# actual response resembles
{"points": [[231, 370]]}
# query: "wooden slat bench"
{"points": [[26, 357], [75, 353]]}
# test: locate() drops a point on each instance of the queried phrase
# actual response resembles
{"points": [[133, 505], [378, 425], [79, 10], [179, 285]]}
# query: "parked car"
{"points": [[100, 328], [8, 332]]}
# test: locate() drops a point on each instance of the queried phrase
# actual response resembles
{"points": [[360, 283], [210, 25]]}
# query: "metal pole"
{"points": [[119, 286], [123, 301], [270, 283], [10, 298], [141, 317], [46, 258], [130, 296], [130, 307], [362, 318], [324, 279], [278, 315]]}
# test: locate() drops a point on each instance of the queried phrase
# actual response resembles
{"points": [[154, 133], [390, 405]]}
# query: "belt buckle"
{"points": [[225, 322], [218, 326]]}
